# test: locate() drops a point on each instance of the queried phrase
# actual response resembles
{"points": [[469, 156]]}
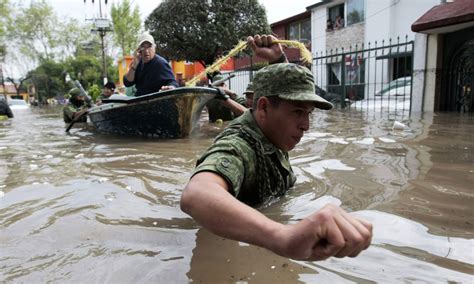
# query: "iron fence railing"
{"points": [[375, 76]]}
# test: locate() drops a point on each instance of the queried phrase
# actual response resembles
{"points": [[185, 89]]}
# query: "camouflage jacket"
{"points": [[254, 169], [70, 109], [217, 109]]}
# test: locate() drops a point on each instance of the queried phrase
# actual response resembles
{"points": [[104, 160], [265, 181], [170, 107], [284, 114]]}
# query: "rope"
{"points": [[216, 66]]}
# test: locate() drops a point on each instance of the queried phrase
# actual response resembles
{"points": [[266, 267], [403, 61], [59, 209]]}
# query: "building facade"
{"points": [[367, 44]]}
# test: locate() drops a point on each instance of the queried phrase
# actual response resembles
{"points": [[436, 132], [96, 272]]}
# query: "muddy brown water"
{"points": [[94, 208]]}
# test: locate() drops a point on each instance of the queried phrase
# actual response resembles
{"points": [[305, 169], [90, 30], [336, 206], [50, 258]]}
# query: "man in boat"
{"points": [[108, 90], [148, 71], [226, 105], [248, 165], [5, 110], [76, 107]]}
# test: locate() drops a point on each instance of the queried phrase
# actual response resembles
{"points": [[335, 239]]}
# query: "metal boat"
{"points": [[165, 114]]}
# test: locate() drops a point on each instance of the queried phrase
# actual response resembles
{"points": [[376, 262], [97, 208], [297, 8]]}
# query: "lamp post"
{"points": [[102, 26]]}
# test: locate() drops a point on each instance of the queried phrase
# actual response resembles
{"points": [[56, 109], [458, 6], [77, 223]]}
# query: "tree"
{"points": [[74, 37], [36, 28], [86, 69], [5, 22], [48, 80], [201, 30], [18, 86], [126, 25]]}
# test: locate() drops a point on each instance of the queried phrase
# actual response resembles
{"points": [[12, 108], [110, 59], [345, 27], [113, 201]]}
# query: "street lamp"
{"points": [[102, 26]]}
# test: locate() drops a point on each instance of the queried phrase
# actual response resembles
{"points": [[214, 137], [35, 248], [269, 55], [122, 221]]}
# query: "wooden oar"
{"points": [[75, 120]]}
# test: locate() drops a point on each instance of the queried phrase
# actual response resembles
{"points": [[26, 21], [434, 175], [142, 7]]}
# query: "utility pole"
{"points": [[3, 80], [102, 26]]}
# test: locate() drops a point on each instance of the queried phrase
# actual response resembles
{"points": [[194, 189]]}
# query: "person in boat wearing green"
{"points": [[108, 90], [248, 166], [148, 71], [5, 110], [226, 105], [76, 107]]}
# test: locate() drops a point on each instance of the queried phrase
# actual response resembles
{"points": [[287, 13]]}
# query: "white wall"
{"points": [[318, 43], [318, 31], [393, 18], [377, 20], [430, 73], [419, 64]]}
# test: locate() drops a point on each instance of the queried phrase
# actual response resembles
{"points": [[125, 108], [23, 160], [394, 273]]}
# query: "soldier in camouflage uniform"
{"points": [[249, 95], [75, 107], [248, 165], [226, 105]]}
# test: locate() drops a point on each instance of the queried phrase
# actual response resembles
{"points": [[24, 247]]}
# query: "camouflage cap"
{"points": [[288, 81], [249, 88]]}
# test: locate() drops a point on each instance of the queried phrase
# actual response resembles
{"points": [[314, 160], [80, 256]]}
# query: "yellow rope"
{"points": [[305, 54]]}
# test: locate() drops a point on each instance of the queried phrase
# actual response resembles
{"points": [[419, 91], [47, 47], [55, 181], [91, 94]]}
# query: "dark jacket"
{"points": [[150, 77]]}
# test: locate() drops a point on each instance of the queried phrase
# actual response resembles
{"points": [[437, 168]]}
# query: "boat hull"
{"points": [[167, 114]]}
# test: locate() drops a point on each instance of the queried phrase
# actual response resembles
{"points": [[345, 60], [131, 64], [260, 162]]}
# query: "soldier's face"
{"points": [[249, 99], [286, 123]]}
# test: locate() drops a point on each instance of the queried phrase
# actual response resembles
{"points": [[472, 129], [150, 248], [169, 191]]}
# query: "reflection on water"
{"points": [[87, 207]]}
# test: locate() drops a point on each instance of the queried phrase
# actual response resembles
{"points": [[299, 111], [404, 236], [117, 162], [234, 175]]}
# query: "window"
{"points": [[300, 31], [401, 66], [355, 69], [335, 17], [355, 11]]}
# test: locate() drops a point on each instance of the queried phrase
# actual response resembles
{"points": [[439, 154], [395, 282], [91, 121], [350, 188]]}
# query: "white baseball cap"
{"points": [[145, 37]]}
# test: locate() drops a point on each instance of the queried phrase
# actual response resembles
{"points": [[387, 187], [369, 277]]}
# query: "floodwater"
{"points": [[92, 208]]}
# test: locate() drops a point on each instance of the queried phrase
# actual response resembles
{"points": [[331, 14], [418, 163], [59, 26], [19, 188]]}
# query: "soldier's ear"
{"points": [[262, 104]]}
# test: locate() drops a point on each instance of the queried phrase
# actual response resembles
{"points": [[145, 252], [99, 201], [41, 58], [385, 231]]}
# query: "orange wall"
{"points": [[123, 64]]}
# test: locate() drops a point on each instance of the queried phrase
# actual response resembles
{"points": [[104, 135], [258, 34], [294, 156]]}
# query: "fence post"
{"points": [[251, 70], [343, 79]]}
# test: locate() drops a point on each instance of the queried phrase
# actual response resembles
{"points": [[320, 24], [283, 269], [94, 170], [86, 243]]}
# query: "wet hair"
{"points": [[110, 85]]}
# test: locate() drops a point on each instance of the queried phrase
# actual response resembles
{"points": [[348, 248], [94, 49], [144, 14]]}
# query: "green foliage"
{"points": [[76, 39], [5, 22], [86, 69], [48, 80], [46, 47], [127, 25], [94, 92], [201, 30], [49, 77], [36, 27]]}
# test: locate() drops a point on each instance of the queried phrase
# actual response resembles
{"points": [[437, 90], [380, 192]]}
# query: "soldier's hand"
{"points": [[264, 47], [221, 94], [170, 87], [329, 232]]}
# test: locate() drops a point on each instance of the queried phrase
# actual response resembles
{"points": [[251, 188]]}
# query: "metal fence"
{"points": [[374, 76], [238, 83]]}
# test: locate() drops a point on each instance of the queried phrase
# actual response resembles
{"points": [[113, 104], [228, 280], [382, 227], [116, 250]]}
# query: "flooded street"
{"points": [[94, 208]]}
